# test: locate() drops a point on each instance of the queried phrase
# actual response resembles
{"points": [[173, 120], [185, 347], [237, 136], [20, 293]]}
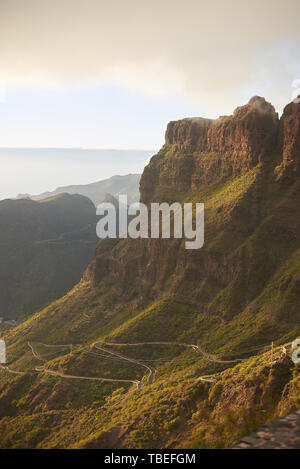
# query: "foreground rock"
{"points": [[283, 433]]}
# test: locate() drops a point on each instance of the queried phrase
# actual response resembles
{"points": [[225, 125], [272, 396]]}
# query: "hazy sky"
{"points": [[33, 170], [111, 74]]}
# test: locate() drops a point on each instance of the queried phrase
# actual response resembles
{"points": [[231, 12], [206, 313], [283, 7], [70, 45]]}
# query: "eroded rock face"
{"points": [[237, 259], [252, 127], [289, 142], [198, 150]]}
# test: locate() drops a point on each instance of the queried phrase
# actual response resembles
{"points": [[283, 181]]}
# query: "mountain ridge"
{"points": [[38, 254], [96, 191]]}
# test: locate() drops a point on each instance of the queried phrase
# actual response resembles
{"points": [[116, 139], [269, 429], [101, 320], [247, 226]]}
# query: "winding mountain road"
{"points": [[151, 370], [90, 378], [63, 375], [212, 358], [103, 347], [35, 353], [195, 347], [6, 368], [208, 378], [99, 346]]}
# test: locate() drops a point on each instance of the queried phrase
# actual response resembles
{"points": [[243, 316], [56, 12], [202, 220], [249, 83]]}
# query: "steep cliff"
{"points": [[289, 143], [229, 165], [156, 302], [199, 151]]}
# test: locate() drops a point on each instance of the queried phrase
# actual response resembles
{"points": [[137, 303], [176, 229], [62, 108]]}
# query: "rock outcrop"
{"points": [[289, 142], [199, 150], [251, 128], [229, 165]]}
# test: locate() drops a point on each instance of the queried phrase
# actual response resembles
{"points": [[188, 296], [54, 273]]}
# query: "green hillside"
{"points": [[44, 248], [162, 347]]}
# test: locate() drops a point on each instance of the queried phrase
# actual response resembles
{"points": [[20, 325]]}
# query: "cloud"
{"points": [[214, 53]]}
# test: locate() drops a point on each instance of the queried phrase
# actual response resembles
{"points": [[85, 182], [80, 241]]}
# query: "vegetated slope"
{"points": [[96, 191], [44, 248], [188, 314]]}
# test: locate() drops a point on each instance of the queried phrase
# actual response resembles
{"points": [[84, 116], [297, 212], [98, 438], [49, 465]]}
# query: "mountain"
{"points": [[96, 191], [163, 347], [44, 248]]}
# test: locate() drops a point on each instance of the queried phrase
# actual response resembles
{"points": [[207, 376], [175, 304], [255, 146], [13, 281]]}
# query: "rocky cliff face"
{"points": [[289, 142], [229, 165], [198, 151], [252, 128]]}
